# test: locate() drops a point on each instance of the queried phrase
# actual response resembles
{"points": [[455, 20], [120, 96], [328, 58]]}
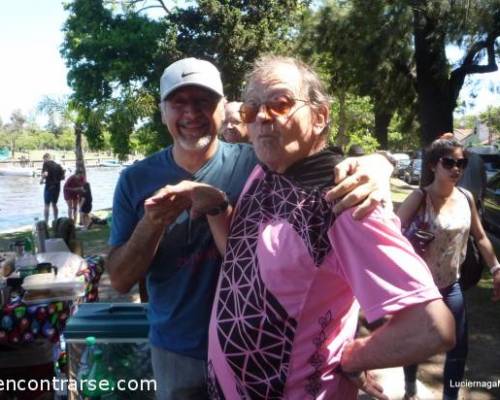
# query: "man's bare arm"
{"points": [[411, 335], [219, 226], [202, 199], [127, 264]]}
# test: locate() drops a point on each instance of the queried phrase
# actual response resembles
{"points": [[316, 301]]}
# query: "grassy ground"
{"points": [[483, 363]]}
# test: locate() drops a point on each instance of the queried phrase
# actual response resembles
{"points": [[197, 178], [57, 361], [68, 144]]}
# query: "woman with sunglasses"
{"points": [[447, 214]]}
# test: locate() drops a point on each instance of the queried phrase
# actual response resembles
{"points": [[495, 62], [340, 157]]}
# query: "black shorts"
{"points": [[51, 194], [86, 207]]}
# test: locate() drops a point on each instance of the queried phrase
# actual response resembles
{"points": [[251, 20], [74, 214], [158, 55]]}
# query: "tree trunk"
{"points": [[80, 162], [435, 105], [382, 121], [342, 140], [13, 147]]}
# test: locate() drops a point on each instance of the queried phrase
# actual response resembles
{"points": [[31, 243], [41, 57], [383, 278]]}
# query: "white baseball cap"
{"points": [[190, 71]]}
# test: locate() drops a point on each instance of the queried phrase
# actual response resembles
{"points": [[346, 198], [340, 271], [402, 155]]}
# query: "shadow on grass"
{"points": [[94, 240]]}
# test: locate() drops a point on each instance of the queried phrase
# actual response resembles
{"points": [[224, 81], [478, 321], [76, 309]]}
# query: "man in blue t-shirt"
{"points": [[177, 253]]}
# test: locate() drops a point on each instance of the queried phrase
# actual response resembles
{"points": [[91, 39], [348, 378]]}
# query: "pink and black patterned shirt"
{"points": [[286, 297]]}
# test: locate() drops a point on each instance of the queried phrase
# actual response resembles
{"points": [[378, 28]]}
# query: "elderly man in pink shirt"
{"points": [[295, 274]]}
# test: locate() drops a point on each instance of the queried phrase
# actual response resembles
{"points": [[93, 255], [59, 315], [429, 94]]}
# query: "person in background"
{"points": [[233, 129], [52, 175], [177, 254], [474, 176], [85, 205], [286, 308], [451, 217], [73, 188]]}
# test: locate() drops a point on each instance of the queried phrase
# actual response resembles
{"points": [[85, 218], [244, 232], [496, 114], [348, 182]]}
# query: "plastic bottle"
{"points": [[34, 234], [99, 381], [86, 358], [28, 245], [26, 262], [39, 235]]}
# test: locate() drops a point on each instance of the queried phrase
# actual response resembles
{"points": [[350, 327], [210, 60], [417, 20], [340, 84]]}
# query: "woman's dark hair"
{"points": [[437, 149]]}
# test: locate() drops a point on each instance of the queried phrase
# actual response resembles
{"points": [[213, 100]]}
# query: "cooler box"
{"points": [[121, 332]]}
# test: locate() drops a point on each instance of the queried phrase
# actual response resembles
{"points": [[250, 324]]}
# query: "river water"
{"points": [[21, 198]]}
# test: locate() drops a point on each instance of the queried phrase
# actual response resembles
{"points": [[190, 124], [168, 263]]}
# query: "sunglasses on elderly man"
{"points": [[449, 163], [275, 107]]}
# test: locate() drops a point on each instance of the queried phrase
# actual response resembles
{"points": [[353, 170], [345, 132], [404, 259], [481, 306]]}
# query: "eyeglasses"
{"points": [[276, 107], [449, 163]]}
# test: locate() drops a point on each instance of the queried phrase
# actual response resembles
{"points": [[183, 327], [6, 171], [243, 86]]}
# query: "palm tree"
{"points": [[80, 118]]}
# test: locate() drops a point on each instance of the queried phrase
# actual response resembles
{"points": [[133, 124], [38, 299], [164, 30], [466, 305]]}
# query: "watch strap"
{"points": [[220, 208]]}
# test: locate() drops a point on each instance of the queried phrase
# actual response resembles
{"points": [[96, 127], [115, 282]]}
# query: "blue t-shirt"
{"points": [[183, 275]]}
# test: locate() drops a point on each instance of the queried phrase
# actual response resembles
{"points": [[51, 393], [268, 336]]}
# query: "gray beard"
{"points": [[200, 144]]}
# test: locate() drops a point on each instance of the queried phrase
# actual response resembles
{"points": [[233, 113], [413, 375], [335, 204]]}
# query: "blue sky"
{"points": [[31, 66]]}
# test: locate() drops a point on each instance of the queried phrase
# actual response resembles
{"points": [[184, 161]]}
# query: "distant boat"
{"points": [[17, 171], [129, 163], [109, 163]]}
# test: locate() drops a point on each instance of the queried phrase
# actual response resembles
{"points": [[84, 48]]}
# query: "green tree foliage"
{"points": [[392, 50], [491, 117], [75, 119], [116, 55], [364, 49], [473, 26], [357, 119], [13, 130]]}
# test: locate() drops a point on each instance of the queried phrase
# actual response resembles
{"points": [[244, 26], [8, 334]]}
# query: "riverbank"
{"points": [[21, 198]]}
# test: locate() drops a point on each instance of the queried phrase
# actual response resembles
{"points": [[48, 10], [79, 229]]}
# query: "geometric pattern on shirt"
{"points": [[253, 328]]}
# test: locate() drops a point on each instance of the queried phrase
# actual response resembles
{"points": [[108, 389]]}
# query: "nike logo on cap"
{"points": [[184, 74]]}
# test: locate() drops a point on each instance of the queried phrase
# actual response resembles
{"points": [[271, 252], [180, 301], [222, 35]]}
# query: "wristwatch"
{"points": [[351, 375], [220, 208]]}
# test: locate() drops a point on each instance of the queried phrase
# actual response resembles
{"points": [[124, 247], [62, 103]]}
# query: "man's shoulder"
{"points": [[237, 148], [155, 160], [50, 164], [239, 154]]}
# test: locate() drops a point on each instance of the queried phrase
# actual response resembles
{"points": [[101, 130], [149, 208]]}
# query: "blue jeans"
{"points": [[454, 365], [178, 377]]}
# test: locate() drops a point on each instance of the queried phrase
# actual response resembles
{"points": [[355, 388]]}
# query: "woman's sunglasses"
{"points": [[449, 163], [273, 107]]}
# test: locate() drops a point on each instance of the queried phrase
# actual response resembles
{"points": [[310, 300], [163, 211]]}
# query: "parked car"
{"points": [[413, 172], [491, 204], [490, 156], [399, 169], [491, 164]]}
